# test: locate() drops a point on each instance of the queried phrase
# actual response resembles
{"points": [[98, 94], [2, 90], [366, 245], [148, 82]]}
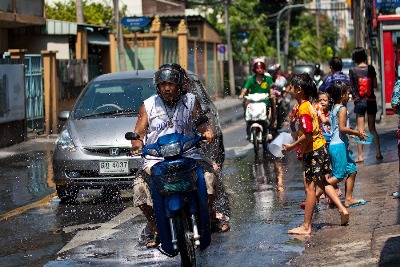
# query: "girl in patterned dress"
{"points": [[316, 163]]}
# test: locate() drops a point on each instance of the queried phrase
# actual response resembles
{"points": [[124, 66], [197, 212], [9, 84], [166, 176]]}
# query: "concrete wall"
{"points": [[34, 44]]}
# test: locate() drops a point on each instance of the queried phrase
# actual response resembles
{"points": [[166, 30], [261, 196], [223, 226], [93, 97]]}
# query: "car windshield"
{"points": [[113, 97]]}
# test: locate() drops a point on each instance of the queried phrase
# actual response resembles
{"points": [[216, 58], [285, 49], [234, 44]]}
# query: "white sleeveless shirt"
{"points": [[159, 118]]}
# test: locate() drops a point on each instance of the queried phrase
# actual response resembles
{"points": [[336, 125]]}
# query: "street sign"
{"points": [[387, 3], [243, 35], [222, 52], [133, 22]]}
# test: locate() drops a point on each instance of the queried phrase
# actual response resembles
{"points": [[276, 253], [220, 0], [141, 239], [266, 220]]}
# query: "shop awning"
{"points": [[96, 38]]}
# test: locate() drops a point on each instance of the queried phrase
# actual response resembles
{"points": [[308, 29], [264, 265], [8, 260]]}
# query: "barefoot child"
{"points": [[343, 164], [316, 165], [322, 107]]}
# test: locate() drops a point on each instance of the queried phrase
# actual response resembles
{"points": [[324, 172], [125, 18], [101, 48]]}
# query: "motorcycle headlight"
{"points": [[171, 150], [64, 142]]}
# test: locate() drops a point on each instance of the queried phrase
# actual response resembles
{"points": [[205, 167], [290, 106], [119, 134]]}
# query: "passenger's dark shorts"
{"points": [[316, 164], [364, 105]]}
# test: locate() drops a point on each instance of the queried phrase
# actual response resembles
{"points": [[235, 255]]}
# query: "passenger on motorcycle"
{"points": [[282, 102], [171, 110], [260, 83], [318, 75]]}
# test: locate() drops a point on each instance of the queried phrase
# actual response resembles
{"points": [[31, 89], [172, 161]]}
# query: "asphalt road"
{"points": [[262, 194]]}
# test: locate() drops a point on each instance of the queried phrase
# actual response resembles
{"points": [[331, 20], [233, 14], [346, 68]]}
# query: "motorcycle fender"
{"points": [[203, 212], [175, 202], [256, 125], [160, 212]]}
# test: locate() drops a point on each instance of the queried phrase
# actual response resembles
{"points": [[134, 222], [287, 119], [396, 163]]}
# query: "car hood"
{"points": [[101, 132]]}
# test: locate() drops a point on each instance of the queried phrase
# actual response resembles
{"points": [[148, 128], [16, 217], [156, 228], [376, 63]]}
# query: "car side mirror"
{"points": [[63, 115], [132, 136]]}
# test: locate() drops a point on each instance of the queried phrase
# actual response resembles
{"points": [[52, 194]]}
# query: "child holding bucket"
{"points": [[316, 164], [322, 107], [343, 164]]}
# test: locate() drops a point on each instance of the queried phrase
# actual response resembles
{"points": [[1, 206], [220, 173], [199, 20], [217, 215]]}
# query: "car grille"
{"points": [[105, 151], [79, 174]]}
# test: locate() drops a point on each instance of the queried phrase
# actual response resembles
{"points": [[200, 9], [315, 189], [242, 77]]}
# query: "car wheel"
{"points": [[67, 193]]}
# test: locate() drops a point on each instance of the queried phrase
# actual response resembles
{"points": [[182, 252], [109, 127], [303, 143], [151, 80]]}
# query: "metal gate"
{"points": [[34, 93]]}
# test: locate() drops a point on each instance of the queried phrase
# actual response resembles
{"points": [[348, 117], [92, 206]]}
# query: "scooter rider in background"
{"points": [[259, 83], [317, 76], [282, 102]]}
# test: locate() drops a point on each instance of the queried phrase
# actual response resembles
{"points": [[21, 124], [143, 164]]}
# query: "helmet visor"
{"points": [[167, 75]]}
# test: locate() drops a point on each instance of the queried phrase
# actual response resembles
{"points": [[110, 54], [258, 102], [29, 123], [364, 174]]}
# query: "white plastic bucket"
{"points": [[275, 147]]}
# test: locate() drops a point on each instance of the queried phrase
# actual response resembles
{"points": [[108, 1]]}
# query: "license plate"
{"points": [[114, 167]]}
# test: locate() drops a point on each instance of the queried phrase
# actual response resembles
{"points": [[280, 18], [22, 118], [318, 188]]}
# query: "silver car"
{"points": [[91, 151]]}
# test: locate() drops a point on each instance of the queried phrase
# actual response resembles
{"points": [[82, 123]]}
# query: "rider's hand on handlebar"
{"points": [[136, 147]]}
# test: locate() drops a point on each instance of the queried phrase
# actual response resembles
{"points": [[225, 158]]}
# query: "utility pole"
{"points": [[232, 88], [317, 26], [120, 41], [286, 48], [278, 41], [79, 12]]}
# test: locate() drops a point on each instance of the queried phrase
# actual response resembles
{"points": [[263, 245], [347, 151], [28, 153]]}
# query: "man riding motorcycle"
{"points": [[171, 110], [260, 83]]}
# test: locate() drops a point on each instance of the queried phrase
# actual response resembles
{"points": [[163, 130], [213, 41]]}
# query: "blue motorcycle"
{"points": [[180, 200]]}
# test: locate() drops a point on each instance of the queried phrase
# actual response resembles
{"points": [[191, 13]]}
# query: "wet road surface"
{"points": [[263, 194]]}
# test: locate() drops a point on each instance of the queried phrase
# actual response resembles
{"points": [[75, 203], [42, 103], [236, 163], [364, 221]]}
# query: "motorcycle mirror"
{"points": [[132, 136], [200, 120]]}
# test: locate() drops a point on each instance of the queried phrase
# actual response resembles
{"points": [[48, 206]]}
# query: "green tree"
{"points": [[94, 13], [304, 30], [346, 52], [242, 19]]}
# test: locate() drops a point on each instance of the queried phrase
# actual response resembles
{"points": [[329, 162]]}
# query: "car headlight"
{"points": [[171, 150], [64, 142]]}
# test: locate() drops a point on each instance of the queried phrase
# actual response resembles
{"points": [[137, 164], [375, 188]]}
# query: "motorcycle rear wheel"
{"points": [[185, 243], [256, 142]]}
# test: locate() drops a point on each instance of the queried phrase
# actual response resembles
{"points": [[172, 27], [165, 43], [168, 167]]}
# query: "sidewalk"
{"points": [[372, 237]]}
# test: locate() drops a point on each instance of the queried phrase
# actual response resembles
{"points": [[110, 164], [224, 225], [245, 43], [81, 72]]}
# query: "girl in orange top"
{"points": [[316, 163]]}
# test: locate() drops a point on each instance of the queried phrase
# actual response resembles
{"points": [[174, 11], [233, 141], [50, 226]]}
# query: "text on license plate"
{"points": [[114, 166]]}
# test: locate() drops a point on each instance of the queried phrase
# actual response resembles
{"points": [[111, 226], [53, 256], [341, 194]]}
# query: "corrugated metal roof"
{"points": [[61, 27]]}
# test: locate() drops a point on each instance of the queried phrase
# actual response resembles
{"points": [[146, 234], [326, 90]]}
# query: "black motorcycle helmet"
{"points": [[174, 73]]}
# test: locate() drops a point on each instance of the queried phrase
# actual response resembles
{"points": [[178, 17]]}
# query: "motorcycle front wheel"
{"points": [[185, 243], [256, 142]]}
